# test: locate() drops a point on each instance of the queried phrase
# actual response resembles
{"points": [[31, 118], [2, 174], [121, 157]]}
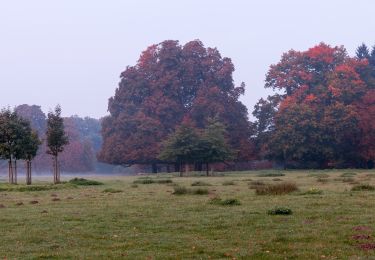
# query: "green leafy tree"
{"points": [[30, 148], [213, 146], [16, 138], [56, 139], [182, 147]]}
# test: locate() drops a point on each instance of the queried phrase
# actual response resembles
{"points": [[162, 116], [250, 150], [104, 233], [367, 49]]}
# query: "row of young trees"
{"points": [[322, 113], [18, 141]]}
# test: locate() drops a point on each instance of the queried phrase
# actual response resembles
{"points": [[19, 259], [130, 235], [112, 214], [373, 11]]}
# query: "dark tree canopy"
{"points": [[171, 82]]}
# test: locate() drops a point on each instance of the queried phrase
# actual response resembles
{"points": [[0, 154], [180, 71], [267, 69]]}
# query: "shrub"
{"points": [[226, 202], [134, 186], [163, 181], [199, 191], [84, 182], [111, 190], [227, 183], [179, 190], [276, 189], [312, 191], [271, 174], [280, 211], [363, 187], [144, 180], [200, 183], [148, 180]]}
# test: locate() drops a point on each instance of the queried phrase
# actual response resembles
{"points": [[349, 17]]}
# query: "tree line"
{"points": [[321, 114]]}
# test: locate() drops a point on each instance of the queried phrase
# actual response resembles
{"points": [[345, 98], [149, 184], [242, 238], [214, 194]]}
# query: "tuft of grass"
{"points": [[322, 180], [348, 179], [180, 190], [271, 174], [276, 189], [148, 180], [112, 190], [228, 183], [200, 183], [312, 191], [255, 184], [348, 174], [144, 180], [226, 202], [364, 187], [280, 211], [84, 182], [318, 175], [134, 186], [199, 191], [163, 181]]}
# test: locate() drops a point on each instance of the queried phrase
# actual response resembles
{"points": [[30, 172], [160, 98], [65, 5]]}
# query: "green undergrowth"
{"points": [[84, 182]]}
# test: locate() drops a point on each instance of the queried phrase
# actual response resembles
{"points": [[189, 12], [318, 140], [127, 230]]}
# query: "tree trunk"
{"points": [[181, 169], [207, 173], [154, 168], [28, 172], [15, 171], [55, 170], [10, 171]]}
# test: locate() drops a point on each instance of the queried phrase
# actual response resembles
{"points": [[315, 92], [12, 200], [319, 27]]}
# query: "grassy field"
{"points": [[123, 220]]}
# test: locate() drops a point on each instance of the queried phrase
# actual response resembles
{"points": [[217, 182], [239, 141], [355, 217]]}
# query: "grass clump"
{"points": [[276, 189], [111, 190], [31, 188], [255, 184], [312, 191], [200, 183], [271, 174], [364, 187], [318, 175], [228, 183], [148, 180], [199, 191], [280, 211], [144, 180], [348, 174], [226, 202], [180, 190], [84, 182]]}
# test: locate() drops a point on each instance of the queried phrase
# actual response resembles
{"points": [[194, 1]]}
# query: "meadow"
{"points": [[238, 215]]}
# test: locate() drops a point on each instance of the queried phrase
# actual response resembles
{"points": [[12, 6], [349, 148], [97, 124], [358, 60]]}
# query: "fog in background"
{"points": [[72, 52]]}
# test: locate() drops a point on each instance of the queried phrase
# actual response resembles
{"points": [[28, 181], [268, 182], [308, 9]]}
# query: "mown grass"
{"points": [[149, 222]]}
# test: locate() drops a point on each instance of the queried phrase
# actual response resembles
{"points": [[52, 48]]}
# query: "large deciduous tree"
{"points": [[318, 118], [171, 82], [56, 139]]}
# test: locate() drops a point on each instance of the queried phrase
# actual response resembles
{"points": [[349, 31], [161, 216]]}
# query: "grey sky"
{"points": [[72, 51]]}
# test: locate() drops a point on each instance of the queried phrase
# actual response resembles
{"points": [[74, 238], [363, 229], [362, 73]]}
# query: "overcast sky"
{"points": [[72, 52]]}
